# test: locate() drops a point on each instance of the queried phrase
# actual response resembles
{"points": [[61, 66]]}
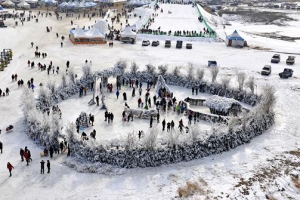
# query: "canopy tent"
{"points": [[23, 4], [79, 33], [2, 10], [8, 3], [128, 33], [63, 4], [235, 40], [102, 26], [94, 33], [31, 1], [50, 2]]}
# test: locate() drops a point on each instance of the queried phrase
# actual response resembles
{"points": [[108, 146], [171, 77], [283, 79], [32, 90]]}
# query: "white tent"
{"points": [[23, 4], [79, 33], [235, 40], [63, 4], [31, 1], [128, 33], [102, 26], [8, 3], [94, 33]]}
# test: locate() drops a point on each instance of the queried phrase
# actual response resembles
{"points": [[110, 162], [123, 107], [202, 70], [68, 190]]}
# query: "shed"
{"points": [[223, 106], [235, 40]]}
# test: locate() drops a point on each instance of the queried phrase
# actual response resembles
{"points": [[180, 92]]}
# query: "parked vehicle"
{"points": [[290, 60], [212, 63], [275, 58], [178, 44], [155, 43], [266, 70], [168, 43], [286, 73], [145, 43], [189, 46]]}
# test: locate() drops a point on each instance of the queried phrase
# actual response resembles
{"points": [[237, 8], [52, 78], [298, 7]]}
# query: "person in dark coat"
{"points": [[26, 156], [22, 154], [163, 124], [42, 166], [97, 100], [151, 121], [124, 96], [48, 166], [1, 146], [51, 150], [69, 151], [9, 167], [61, 146]]}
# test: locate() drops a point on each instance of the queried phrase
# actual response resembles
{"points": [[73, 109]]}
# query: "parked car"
{"points": [[168, 43], [290, 60], [212, 63], [155, 43], [189, 46], [266, 70], [286, 73], [275, 58], [178, 44], [145, 43]]}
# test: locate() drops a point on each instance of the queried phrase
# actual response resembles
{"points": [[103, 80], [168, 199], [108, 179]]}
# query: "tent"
{"points": [[95, 35], [24, 5], [8, 3], [102, 26], [235, 40], [128, 35], [79, 33]]}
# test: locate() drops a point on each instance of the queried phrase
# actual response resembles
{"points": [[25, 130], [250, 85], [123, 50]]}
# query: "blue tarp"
{"points": [[235, 36]]}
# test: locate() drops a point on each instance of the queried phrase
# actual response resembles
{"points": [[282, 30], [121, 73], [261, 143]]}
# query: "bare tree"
{"points": [[52, 87], [251, 83], [134, 68], [176, 71], [191, 72], [173, 137], [200, 73], [214, 73], [162, 69], [151, 139], [194, 133], [241, 76]]}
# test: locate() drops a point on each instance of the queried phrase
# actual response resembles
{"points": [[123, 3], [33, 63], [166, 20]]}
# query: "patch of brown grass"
{"points": [[189, 189], [296, 181]]}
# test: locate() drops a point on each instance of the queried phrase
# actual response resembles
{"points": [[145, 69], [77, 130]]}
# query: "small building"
{"points": [[223, 106], [235, 40], [92, 36]]}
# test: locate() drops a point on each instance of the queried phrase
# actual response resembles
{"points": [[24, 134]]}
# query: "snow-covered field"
{"points": [[248, 172]]}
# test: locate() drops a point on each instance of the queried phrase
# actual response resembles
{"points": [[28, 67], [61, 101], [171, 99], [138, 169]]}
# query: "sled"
{"points": [[9, 128]]}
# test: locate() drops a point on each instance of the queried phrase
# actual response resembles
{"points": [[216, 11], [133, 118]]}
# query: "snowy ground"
{"points": [[259, 168], [184, 16]]}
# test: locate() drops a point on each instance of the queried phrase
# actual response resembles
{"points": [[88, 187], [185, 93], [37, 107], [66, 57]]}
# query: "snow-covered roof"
{"points": [[94, 33], [79, 33], [7, 2], [128, 32], [235, 36], [221, 103], [23, 4]]}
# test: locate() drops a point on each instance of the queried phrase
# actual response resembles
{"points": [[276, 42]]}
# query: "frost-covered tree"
{"points": [[134, 68], [241, 76], [121, 65], [200, 73], [194, 133], [70, 133], [27, 102], [191, 72], [150, 139], [72, 75], [44, 96], [233, 122], [64, 80], [225, 82], [150, 69], [244, 119], [56, 126], [173, 137], [162, 69], [51, 86], [268, 99], [214, 73], [130, 141], [86, 69], [176, 71], [251, 83]]}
